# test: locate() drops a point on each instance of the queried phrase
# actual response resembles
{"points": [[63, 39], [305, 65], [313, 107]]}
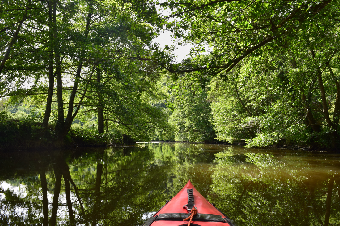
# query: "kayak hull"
{"points": [[185, 223], [180, 207]]}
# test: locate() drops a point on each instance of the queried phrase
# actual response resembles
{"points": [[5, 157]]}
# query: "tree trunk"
{"points": [[56, 44], [70, 114], [332, 125], [14, 38], [100, 109], [336, 115], [100, 119], [324, 100], [68, 201], [311, 120], [323, 94], [48, 108]]}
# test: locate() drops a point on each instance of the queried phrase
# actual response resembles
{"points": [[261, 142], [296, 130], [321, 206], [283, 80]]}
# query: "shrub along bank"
{"points": [[26, 133]]}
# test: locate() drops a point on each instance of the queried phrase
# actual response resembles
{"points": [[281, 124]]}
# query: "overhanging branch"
{"points": [[301, 14]]}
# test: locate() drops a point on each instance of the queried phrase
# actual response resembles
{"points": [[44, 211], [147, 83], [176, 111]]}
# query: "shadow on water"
{"points": [[124, 185]]}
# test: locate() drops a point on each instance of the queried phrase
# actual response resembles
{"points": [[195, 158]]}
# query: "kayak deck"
{"points": [[188, 203]]}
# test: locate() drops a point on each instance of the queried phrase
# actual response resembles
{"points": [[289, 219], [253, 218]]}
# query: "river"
{"points": [[124, 185]]}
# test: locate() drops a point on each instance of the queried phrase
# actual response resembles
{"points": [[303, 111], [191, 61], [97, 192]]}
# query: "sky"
{"points": [[181, 52]]}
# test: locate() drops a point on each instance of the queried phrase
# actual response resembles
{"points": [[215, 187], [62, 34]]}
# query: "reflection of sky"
{"points": [[148, 215], [21, 192]]}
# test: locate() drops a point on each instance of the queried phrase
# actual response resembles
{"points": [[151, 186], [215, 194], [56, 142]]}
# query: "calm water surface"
{"points": [[124, 185]]}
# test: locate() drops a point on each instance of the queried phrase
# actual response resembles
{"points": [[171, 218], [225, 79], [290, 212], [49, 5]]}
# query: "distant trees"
{"points": [[191, 113]]}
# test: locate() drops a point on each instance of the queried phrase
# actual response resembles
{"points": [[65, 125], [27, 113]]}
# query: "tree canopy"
{"points": [[82, 56], [263, 72], [271, 67]]}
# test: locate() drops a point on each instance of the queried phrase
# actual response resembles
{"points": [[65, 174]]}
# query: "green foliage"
{"points": [[84, 56], [270, 75], [89, 138], [275, 76], [191, 112], [22, 132], [264, 102]]}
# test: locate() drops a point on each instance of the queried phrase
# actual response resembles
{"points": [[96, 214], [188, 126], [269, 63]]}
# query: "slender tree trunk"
{"points": [[324, 100], [56, 44], [70, 114], [333, 125], [323, 94], [14, 38], [100, 109], [43, 182], [311, 120], [100, 119], [336, 115], [48, 108]]}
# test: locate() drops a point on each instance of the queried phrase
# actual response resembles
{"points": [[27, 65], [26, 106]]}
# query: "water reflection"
{"points": [[123, 185], [267, 189]]}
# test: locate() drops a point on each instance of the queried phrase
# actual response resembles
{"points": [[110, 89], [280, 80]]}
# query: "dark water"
{"points": [[124, 185]]}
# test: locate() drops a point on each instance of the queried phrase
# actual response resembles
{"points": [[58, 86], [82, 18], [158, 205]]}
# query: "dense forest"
{"points": [[260, 73]]}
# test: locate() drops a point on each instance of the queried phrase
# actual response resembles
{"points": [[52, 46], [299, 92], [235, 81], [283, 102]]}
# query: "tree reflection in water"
{"points": [[261, 188], [123, 185]]}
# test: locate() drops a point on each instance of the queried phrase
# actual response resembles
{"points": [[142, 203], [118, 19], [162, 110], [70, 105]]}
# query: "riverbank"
{"points": [[27, 134]]}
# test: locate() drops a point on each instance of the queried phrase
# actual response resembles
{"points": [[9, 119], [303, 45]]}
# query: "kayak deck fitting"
{"points": [[188, 208]]}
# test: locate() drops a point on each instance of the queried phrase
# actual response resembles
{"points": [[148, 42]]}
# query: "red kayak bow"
{"points": [[188, 208]]}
